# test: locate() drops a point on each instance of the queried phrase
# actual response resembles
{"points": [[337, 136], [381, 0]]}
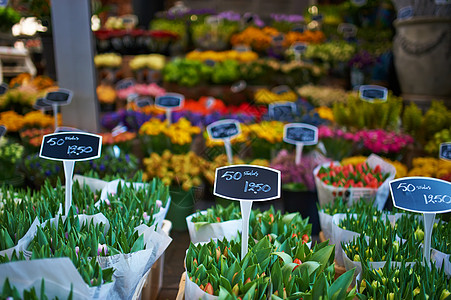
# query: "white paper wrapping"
{"points": [[203, 232], [340, 235], [326, 193], [129, 269], [58, 273], [93, 183], [325, 221], [111, 188]]}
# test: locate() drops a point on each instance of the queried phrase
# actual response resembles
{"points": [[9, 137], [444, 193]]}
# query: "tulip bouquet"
{"points": [[11, 292], [401, 169], [217, 214], [404, 282], [216, 268], [368, 180]]}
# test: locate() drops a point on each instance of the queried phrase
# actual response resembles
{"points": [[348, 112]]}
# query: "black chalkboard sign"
{"points": [[299, 47], [281, 111], [421, 194], [42, 105], [281, 89], [247, 183], [445, 151], [298, 28], [405, 12], [296, 133], [241, 48], [210, 62], [74, 146], [278, 38], [59, 97], [359, 2], [170, 101], [2, 130], [347, 29], [224, 129], [3, 88], [125, 84], [317, 18], [370, 93], [143, 101]]}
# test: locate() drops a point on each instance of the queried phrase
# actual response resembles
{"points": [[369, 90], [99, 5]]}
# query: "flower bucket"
{"points": [[182, 205]]}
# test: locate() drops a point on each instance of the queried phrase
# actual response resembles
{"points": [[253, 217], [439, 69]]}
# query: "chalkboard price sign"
{"points": [[42, 105], [125, 84], [298, 28], [3, 88], [347, 29], [247, 183], [421, 194], [317, 18], [445, 151], [143, 101], [2, 130], [405, 12], [210, 62], [71, 146], [224, 129], [371, 93], [295, 133], [170, 101], [299, 47], [281, 111], [59, 97], [281, 89], [241, 48]]}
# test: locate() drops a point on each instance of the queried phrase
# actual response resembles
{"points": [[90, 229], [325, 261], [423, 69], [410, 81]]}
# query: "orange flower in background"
{"points": [[109, 139], [258, 39], [33, 136], [307, 36], [106, 94]]}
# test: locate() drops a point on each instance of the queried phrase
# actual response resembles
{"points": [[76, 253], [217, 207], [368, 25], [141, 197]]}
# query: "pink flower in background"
{"points": [[324, 132], [381, 141]]}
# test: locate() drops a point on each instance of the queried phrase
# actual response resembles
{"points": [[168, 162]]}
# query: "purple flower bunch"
{"points": [[362, 60], [229, 15], [300, 174], [287, 18]]}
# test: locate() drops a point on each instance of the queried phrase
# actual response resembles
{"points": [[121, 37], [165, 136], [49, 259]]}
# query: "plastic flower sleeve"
{"points": [[59, 274], [325, 221], [23, 243], [93, 183], [340, 235]]}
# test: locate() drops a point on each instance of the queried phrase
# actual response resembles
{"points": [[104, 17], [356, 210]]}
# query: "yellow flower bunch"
{"points": [[106, 94], [430, 167], [151, 61], [325, 113], [39, 120], [270, 131], [24, 96], [322, 95], [266, 96], [246, 56], [183, 170], [401, 169], [12, 120], [111, 60], [180, 133]]}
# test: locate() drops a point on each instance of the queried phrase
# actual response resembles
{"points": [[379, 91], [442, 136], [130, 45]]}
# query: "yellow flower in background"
{"points": [[270, 131], [267, 97], [12, 120], [325, 113], [151, 61], [183, 170], [218, 56], [430, 167], [38, 119], [153, 127], [353, 160], [111, 60]]}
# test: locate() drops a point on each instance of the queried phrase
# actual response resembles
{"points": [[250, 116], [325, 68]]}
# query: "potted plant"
{"points": [[298, 184]]}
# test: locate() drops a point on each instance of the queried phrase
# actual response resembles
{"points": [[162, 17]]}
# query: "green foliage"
{"points": [[359, 114]]}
